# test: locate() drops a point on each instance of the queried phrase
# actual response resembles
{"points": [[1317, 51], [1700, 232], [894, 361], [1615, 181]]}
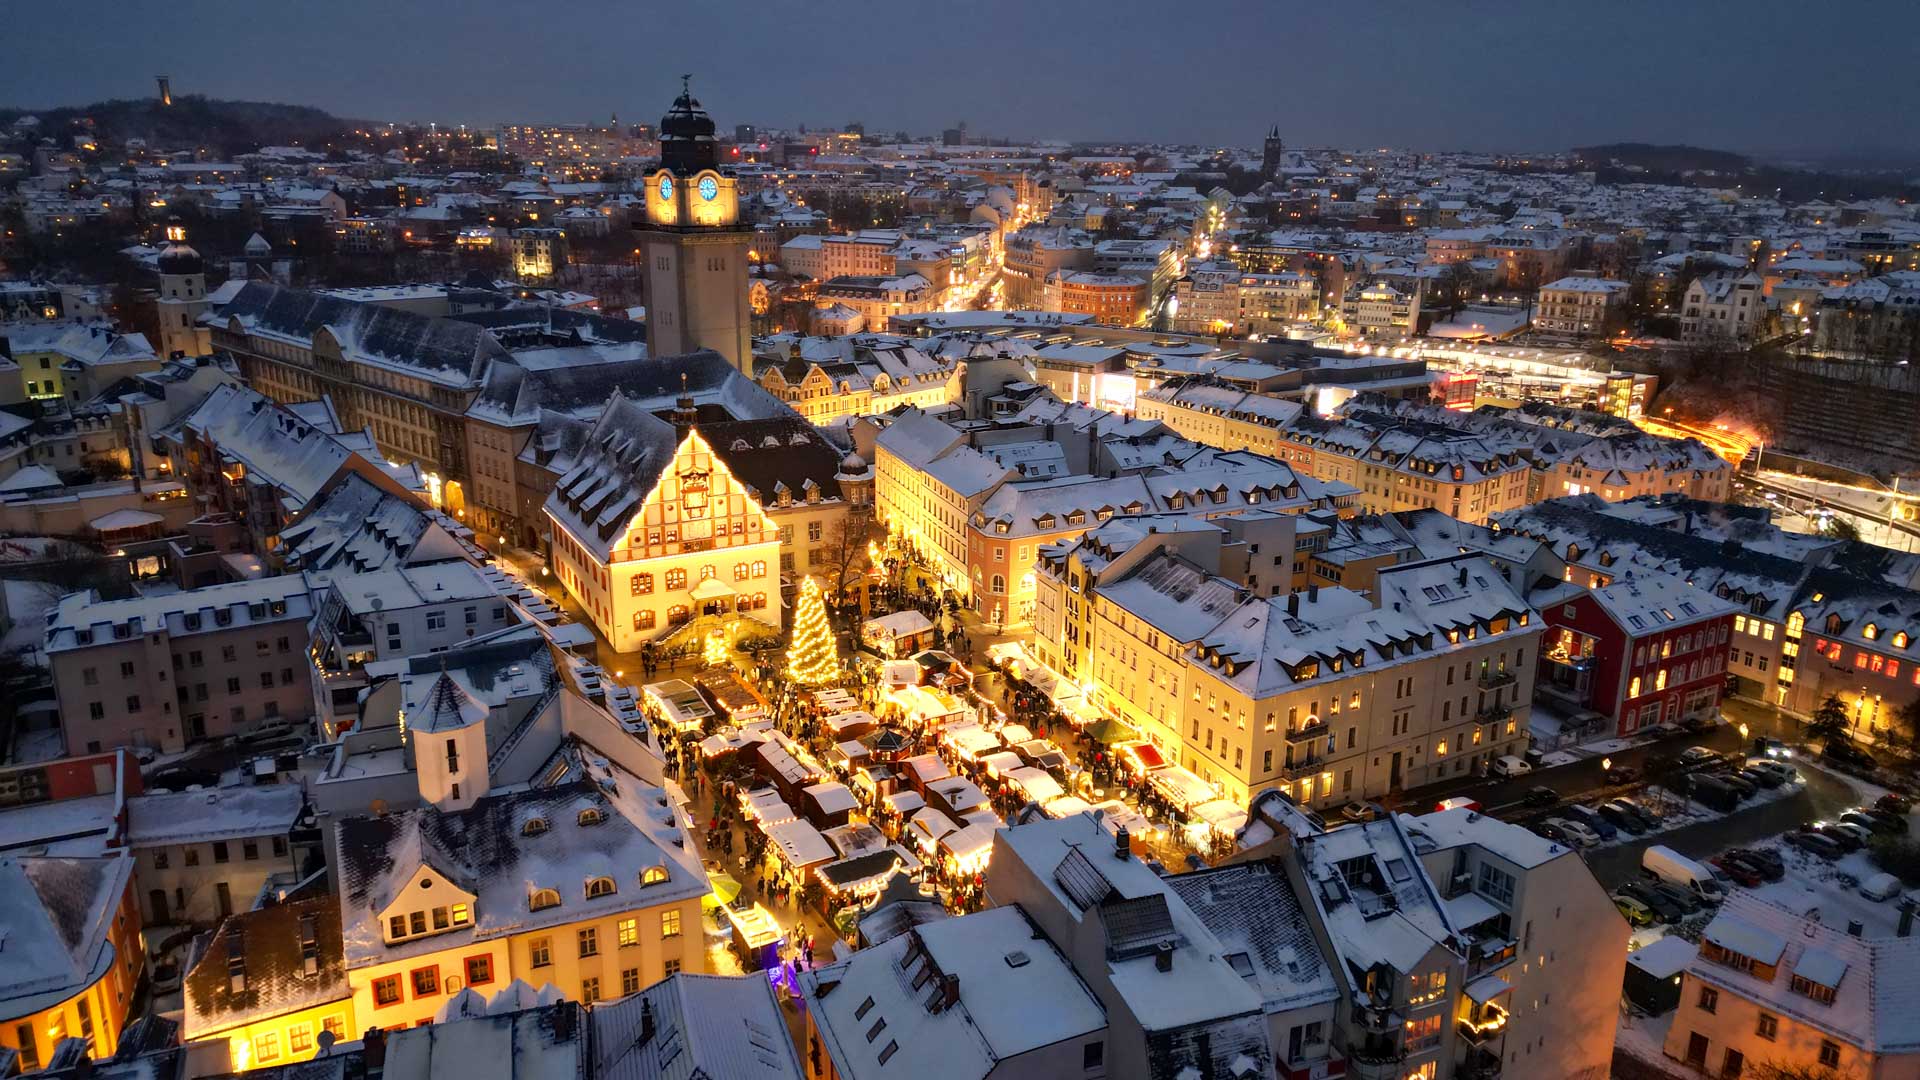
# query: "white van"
{"points": [[1676, 869], [1510, 766], [1880, 888]]}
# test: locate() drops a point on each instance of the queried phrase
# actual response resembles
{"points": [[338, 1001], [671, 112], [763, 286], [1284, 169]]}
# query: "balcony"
{"points": [[1323, 1068], [1479, 1064], [1494, 714], [1492, 680], [1298, 770], [1489, 955], [1315, 728], [1488, 1026]]}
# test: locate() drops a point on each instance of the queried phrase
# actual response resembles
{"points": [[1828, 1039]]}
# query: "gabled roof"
{"points": [[267, 962], [55, 919], [695, 1027]]}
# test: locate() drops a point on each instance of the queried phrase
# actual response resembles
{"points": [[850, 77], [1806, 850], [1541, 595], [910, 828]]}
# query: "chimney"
{"points": [[949, 991], [1163, 956], [1122, 844], [1313, 594], [1293, 603], [375, 1044], [646, 1022], [1463, 575], [1906, 920], [1855, 928]]}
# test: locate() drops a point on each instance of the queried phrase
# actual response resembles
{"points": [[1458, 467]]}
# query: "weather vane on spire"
{"points": [[686, 85]]}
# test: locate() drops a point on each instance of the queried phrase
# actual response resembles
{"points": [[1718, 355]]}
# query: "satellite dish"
{"points": [[325, 1041]]}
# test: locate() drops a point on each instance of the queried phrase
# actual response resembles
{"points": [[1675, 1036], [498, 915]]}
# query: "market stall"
{"points": [[1001, 762], [799, 845], [966, 851], [851, 724], [1181, 788], [969, 741], [926, 827], [829, 804], [765, 807], [1035, 785], [927, 707], [860, 877], [677, 704], [899, 634], [757, 934], [1222, 816], [737, 701]]}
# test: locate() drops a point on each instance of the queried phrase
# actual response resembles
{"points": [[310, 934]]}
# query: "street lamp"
{"points": [[1743, 731], [1606, 764]]}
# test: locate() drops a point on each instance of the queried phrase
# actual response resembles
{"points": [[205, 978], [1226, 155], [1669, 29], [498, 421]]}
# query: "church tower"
{"points": [[1270, 153], [694, 244], [183, 297]]}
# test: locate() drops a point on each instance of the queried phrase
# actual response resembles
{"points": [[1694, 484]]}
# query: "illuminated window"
{"points": [[670, 924], [543, 898], [629, 932], [1633, 687]]}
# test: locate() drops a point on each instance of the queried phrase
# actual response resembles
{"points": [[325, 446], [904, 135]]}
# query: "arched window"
{"points": [[543, 898], [592, 815], [1900, 639], [676, 579], [642, 584], [1870, 631], [708, 571], [598, 887], [740, 571], [534, 827], [643, 620], [653, 875], [677, 614], [999, 584], [759, 568]]}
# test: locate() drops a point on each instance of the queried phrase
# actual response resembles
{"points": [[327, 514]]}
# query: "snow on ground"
{"points": [[27, 605], [1643, 1036], [1831, 888], [31, 746]]}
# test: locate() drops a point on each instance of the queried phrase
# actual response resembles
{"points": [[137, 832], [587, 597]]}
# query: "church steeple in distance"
{"points": [[1270, 153]]}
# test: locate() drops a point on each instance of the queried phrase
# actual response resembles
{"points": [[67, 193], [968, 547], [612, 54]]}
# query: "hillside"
{"points": [[225, 128], [1663, 159]]}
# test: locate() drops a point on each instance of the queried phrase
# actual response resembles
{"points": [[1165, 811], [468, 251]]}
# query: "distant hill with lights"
{"points": [[224, 128], [1674, 158]]}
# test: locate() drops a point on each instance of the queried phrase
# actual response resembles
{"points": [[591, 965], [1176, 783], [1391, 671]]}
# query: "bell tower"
{"points": [[182, 296], [694, 244]]}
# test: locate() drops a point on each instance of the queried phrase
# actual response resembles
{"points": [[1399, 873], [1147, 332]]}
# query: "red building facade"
{"points": [[1639, 652]]}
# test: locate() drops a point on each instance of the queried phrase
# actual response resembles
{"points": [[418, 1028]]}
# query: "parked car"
{"points": [[1621, 774], [1739, 783], [1880, 887], [1686, 901], [1845, 753], [1577, 834], [1773, 748], [1697, 755], [1742, 873], [1780, 769], [1636, 811], [1591, 818], [1894, 804], [1767, 860], [1852, 837], [1843, 839], [1458, 802], [1896, 823], [1662, 905], [1621, 819], [1873, 823], [1636, 912], [1540, 796], [1700, 722], [1510, 766], [1765, 778], [1712, 792], [1816, 844], [1551, 831]]}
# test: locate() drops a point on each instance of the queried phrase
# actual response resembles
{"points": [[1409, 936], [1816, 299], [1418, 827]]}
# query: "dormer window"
{"points": [[653, 875], [1900, 639], [1870, 631], [598, 887], [534, 827], [543, 898], [592, 815]]}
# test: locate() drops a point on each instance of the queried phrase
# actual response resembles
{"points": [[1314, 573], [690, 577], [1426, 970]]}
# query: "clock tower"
{"points": [[694, 245]]}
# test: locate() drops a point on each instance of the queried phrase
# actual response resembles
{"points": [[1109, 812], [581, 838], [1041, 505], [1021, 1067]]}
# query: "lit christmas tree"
{"points": [[811, 656], [716, 651]]}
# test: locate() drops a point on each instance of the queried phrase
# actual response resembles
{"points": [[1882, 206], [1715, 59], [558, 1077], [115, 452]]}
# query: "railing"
{"points": [[1490, 680], [1493, 714], [1315, 729]]}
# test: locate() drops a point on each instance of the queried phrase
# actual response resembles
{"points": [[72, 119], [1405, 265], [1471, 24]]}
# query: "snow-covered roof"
{"points": [[950, 1000], [228, 813], [703, 1027]]}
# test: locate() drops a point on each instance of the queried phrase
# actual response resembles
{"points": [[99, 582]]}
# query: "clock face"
{"points": [[709, 188], [666, 187]]}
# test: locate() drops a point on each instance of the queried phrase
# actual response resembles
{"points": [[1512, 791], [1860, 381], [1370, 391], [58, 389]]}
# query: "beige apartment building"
{"points": [[170, 670], [1327, 695], [1580, 306]]}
